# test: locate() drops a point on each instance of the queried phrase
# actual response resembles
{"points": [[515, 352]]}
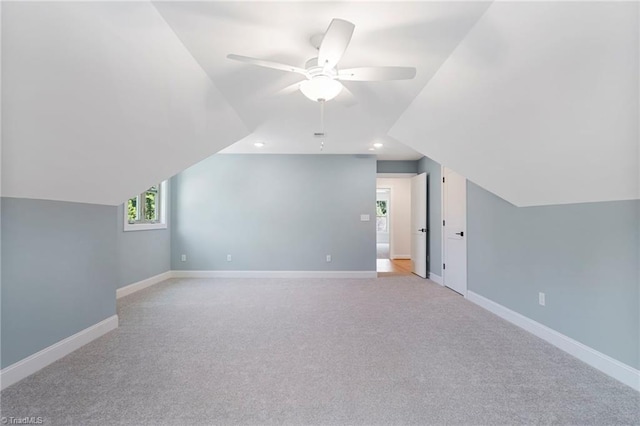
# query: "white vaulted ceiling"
{"points": [[414, 34], [100, 101], [539, 103]]}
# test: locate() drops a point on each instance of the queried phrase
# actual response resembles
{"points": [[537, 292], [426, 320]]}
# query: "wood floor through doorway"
{"points": [[386, 267]]}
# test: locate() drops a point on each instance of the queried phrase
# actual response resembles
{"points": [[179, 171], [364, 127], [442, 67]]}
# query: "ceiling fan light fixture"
{"points": [[320, 88]]}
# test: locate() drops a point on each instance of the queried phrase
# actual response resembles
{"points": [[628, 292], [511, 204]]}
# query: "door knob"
{"points": [[422, 230], [461, 233]]}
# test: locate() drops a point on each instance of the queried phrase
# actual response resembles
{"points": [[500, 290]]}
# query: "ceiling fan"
{"points": [[322, 73]]}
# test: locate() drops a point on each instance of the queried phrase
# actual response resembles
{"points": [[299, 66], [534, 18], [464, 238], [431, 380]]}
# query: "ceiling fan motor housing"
{"points": [[314, 69]]}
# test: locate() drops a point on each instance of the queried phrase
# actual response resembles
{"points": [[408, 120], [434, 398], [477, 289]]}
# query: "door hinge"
{"points": [[443, 223], [443, 180], [444, 266]]}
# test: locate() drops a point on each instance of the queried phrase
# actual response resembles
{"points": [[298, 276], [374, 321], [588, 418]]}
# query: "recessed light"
{"points": [[258, 144], [377, 145]]}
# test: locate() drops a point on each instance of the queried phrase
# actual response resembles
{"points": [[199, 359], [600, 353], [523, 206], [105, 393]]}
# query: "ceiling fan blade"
{"points": [[267, 64], [335, 42], [289, 89], [346, 98], [377, 74]]}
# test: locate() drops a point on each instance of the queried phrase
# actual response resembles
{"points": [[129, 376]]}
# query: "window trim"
{"points": [[162, 202]]}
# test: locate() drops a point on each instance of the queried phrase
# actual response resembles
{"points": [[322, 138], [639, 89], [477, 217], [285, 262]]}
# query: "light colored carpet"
{"points": [[394, 350], [382, 250]]}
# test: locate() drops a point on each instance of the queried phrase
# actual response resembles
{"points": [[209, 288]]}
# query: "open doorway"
{"points": [[393, 209]]}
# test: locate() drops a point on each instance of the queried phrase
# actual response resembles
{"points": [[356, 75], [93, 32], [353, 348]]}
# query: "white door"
{"points": [[419, 225], [454, 267]]}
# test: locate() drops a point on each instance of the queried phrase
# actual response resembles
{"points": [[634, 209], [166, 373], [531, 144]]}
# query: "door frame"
{"points": [[403, 176], [441, 226]]}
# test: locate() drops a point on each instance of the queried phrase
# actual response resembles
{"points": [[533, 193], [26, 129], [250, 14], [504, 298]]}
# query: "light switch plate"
{"points": [[364, 218]]}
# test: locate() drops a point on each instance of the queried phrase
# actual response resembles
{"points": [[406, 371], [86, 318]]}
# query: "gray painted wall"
{"points": [[59, 272], [427, 165], [388, 166], [142, 254], [583, 256], [275, 212]]}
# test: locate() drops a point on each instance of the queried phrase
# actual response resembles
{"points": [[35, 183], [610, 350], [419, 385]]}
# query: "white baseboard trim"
{"points": [[275, 274], [401, 256], [132, 288], [435, 278], [27, 366], [612, 367]]}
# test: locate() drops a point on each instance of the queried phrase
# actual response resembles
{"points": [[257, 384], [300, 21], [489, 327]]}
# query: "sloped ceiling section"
{"points": [[100, 101], [539, 104], [415, 34]]}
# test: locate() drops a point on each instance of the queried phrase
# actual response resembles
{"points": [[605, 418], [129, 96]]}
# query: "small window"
{"points": [[382, 220], [147, 210]]}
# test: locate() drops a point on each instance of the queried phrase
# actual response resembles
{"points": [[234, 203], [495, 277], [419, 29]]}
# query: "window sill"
{"points": [[143, 226]]}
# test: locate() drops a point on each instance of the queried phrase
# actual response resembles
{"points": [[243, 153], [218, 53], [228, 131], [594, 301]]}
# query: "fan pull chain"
{"points": [[322, 123]]}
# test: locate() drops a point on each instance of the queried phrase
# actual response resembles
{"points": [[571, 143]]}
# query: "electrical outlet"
{"points": [[542, 299], [183, 257], [228, 258], [328, 258]]}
